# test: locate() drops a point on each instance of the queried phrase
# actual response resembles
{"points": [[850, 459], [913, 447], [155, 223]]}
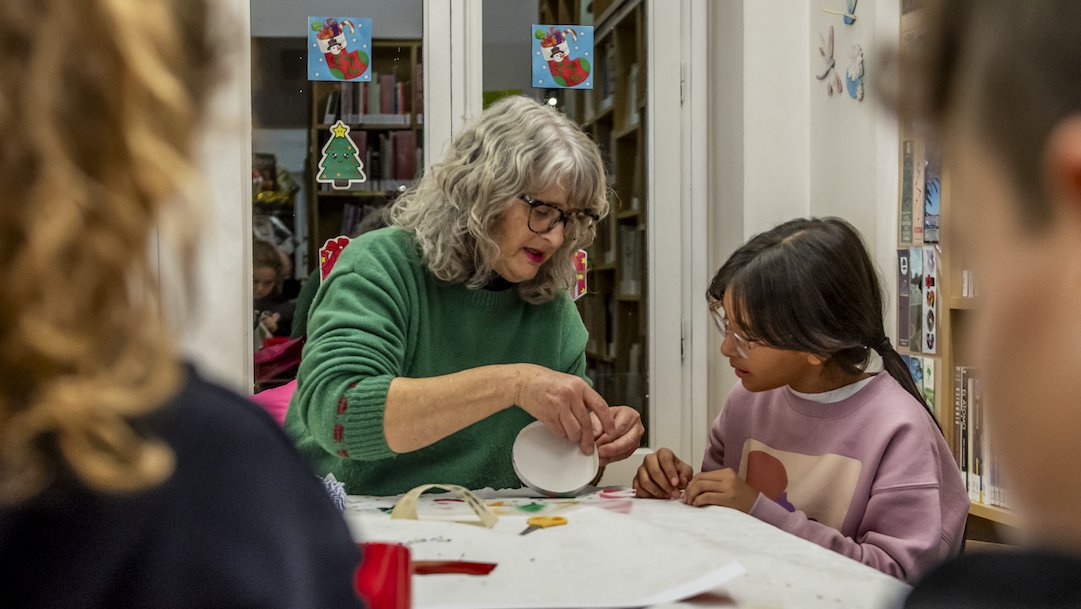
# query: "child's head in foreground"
{"points": [[999, 81]]}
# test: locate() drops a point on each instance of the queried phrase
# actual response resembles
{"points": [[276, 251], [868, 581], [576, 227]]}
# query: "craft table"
{"points": [[781, 570]]}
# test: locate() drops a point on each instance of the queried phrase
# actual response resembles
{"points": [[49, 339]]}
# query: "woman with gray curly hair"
{"points": [[435, 341]]}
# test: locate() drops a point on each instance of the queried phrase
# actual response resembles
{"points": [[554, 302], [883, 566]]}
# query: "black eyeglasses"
{"points": [[543, 217]]}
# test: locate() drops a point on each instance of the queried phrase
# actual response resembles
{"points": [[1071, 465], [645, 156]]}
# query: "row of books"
{"points": [[353, 215], [924, 371], [599, 317], [390, 160], [383, 101], [630, 243], [972, 441], [921, 193], [917, 299]]}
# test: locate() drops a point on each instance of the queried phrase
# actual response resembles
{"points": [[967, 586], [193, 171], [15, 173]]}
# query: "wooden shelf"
{"points": [[961, 303], [603, 114], [629, 297], [357, 194], [628, 131], [599, 357], [993, 513], [629, 214], [366, 127], [603, 267]]}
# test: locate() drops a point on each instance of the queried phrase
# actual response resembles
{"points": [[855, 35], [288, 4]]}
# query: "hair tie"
{"points": [[884, 347]]}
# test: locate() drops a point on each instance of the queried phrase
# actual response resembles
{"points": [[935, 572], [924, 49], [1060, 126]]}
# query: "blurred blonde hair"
{"points": [[99, 100], [517, 146]]}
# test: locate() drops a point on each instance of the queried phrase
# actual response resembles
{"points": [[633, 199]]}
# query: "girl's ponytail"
{"points": [[893, 364]]}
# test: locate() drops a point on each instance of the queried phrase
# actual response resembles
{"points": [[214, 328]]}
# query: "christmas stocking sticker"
{"points": [[340, 164], [562, 56], [338, 49]]}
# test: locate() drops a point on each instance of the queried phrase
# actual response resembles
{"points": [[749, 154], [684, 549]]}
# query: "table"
{"points": [[782, 570]]}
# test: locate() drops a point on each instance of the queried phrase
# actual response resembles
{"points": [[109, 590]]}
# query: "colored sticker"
{"points": [[581, 263], [339, 48], [340, 166], [328, 255], [562, 56]]}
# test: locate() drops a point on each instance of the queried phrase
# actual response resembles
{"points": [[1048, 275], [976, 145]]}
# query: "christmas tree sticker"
{"points": [[340, 164]]}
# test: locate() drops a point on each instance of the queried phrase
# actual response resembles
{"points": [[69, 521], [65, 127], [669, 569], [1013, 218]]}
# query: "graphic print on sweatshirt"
{"points": [[820, 486]]}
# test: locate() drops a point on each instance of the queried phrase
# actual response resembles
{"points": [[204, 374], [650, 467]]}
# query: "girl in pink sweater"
{"points": [[810, 441]]}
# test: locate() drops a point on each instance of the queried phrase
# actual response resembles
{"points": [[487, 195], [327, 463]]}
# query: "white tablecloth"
{"points": [[781, 570]]}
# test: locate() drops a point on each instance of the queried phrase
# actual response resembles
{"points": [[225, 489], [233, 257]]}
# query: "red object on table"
{"points": [[383, 579], [456, 567]]}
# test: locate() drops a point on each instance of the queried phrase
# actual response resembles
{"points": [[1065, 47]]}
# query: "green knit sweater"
{"points": [[380, 315]]}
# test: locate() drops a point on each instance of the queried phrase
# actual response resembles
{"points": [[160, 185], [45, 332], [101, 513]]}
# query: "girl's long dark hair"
{"points": [[808, 285]]}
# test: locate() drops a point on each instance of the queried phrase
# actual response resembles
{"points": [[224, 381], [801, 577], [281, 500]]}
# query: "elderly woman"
{"points": [[434, 341]]}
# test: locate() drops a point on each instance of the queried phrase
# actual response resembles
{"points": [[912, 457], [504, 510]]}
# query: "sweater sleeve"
{"points": [[901, 532], [357, 343]]}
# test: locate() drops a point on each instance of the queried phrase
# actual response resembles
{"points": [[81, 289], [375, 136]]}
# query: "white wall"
{"points": [[854, 144], [781, 148], [390, 18], [759, 118], [507, 43]]}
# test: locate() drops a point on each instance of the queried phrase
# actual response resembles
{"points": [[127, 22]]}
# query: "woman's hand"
{"points": [[626, 438], [721, 487], [563, 402], [662, 476]]}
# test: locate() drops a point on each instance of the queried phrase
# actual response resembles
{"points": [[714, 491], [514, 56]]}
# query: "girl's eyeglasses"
{"points": [[743, 344], [543, 217]]}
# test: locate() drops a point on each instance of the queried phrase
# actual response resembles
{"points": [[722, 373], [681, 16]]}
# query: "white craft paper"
{"points": [[550, 464], [599, 559]]}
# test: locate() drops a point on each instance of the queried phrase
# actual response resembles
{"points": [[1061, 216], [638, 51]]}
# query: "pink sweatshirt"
{"points": [[869, 476]]}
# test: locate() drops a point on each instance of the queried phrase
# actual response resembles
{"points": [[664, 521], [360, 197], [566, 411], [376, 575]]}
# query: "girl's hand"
{"points": [[270, 321], [721, 487], [662, 476], [563, 402], [626, 438]]}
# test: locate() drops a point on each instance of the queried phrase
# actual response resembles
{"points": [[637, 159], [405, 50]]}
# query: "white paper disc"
{"points": [[551, 465]]}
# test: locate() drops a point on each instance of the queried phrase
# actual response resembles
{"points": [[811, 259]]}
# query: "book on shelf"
{"points": [[930, 379], [919, 176], [905, 221], [932, 196], [975, 423], [903, 279], [631, 105], [960, 421], [915, 299], [607, 82], [333, 107], [629, 243], [418, 97], [924, 372], [968, 284], [353, 215], [929, 319]]}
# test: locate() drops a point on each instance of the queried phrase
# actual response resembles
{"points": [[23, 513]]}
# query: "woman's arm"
{"points": [[420, 412]]}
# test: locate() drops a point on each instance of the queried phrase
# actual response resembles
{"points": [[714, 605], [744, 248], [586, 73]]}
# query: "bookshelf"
{"points": [[386, 122], [957, 386], [614, 114]]}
